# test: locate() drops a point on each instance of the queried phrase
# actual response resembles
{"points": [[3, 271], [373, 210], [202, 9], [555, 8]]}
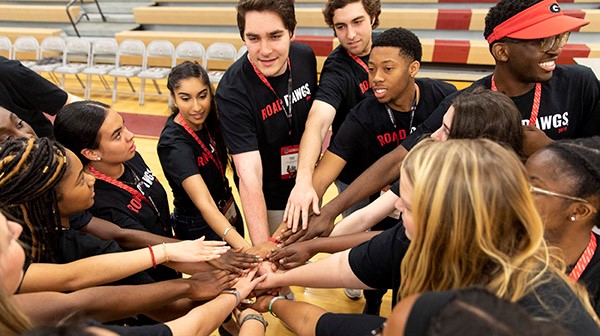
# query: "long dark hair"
{"points": [[30, 169], [190, 69], [77, 126]]}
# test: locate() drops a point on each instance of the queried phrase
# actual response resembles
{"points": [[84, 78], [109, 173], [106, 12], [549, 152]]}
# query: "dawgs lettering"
{"points": [[135, 204], [556, 121], [277, 105]]}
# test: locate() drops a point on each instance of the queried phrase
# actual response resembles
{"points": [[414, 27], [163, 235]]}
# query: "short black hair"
{"points": [[503, 11], [404, 39]]}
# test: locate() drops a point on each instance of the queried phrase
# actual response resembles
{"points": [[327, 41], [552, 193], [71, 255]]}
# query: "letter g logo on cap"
{"points": [[555, 8]]}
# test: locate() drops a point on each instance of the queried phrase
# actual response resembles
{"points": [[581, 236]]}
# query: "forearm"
{"points": [[105, 303], [300, 317], [327, 171], [204, 319], [128, 239], [335, 267], [380, 174], [255, 211], [340, 243], [365, 218], [92, 271]]}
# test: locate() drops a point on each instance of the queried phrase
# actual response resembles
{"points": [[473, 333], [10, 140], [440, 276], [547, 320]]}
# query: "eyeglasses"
{"points": [[547, 43], [555, 194]]}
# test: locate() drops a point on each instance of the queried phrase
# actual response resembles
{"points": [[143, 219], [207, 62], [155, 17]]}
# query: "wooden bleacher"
{"points": [[39, 33], [37, 13]]}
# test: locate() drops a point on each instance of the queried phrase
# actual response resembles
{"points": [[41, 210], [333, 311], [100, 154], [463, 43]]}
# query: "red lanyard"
{"points": [[214, 159], [585, 258], [288, 112], [537, 98], [134, 192], [358, 61]]}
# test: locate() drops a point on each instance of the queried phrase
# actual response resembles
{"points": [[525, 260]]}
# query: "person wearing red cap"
{"points": [[561, 101]]}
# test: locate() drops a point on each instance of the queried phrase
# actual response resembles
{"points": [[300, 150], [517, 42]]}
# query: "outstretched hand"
{"points": [[302, 199], [235, 261], [194, 250], [292, 256], [319, 226], [207, 285]]}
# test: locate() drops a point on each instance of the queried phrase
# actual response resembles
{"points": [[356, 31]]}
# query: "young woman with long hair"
{"points": [[468, 220]]}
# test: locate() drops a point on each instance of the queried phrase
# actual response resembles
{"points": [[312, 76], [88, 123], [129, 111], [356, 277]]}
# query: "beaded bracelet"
{"points": [[273, 301], [257, 317]]}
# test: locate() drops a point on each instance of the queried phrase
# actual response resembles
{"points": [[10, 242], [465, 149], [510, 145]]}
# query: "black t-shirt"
{"points": [[80, 219], [118, 206], [181, 157], [159, 329], [27, 94], [590, 278], [368, 133], [343, 84], [377, 264], [253, 118], [569, 108], [347, 324]]}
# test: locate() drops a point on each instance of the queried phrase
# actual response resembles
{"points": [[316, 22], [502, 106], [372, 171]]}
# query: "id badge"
{"points": [[229, 211], [289, 161]]}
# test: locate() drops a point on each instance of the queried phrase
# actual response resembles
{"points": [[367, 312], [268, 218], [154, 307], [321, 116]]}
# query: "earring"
{"points": [[572, 218], [98, 159]]}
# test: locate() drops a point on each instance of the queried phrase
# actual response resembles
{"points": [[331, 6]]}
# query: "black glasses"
{"points": [[546, 43]]}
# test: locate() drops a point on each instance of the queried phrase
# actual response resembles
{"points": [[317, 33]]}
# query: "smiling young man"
{"points": [[526, 38], [263, 102], [344, 82]]}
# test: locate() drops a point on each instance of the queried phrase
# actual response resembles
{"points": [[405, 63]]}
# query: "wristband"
{"points": [[227, 231], [233, 291], [257, 317], [273, 301], [152, 256], [166, 254]]}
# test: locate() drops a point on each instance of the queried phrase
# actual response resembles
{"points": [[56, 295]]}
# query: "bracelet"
{"points": [[227, 231], [273, 301], [152, 256], [233, 291], [275, 240], [165, 250], [257, 317]]}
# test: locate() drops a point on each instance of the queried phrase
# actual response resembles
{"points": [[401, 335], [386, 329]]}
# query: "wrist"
{"points": [[272, 303], [235, 292], [253, 317]]}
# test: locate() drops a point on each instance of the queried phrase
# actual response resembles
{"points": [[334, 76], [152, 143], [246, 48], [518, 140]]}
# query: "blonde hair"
{"points": [[12, 320], [475, 223]]}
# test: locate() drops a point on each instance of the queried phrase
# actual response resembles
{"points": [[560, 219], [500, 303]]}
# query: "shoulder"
{"points": [[435, 85], [301, 49]]}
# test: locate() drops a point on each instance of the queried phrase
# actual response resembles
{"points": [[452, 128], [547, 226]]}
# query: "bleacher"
{"points": [[450, 30]]}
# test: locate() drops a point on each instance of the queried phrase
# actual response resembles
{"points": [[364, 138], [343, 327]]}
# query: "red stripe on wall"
{"points": [[468, 1], [321, 45], [450, 51], [573, 50], [454, 19]]}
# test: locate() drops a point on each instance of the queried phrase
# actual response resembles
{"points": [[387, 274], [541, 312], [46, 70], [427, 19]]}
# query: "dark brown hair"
{"points": [[283, 8], [372, 7]]}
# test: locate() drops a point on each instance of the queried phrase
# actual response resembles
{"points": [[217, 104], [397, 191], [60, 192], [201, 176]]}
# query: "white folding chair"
{"points": [[219, 51], [130, 47], [102, 61], [241, 52], [157, 49], [26, 44], [51, 54], [6, 46], [75, 58], [190, 50]]}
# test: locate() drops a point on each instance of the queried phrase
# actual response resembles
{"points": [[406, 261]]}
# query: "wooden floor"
{"points": [[147, 121]]}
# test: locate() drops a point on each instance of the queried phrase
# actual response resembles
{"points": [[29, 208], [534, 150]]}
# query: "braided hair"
{"points": [[581, 161], [29, 171]]}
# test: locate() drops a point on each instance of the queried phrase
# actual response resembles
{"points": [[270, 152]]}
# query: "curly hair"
{"points": [[372, 7], [29, 172], [503, 11], [404, 39]]}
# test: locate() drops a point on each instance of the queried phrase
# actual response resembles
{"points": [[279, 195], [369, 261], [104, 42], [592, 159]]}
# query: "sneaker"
{"points": [[353, 294]]}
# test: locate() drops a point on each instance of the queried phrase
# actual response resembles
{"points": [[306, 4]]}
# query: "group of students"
{"points": [[489, 212]]}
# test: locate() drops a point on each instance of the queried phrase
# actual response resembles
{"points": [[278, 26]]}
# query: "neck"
{"points": [[509, 85], [572, 244], [366, 51], [114, 170], [405, 101], [194, 127], [64, 222]]}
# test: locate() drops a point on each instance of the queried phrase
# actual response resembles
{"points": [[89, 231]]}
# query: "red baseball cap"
{"points": [[541, 20]]}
